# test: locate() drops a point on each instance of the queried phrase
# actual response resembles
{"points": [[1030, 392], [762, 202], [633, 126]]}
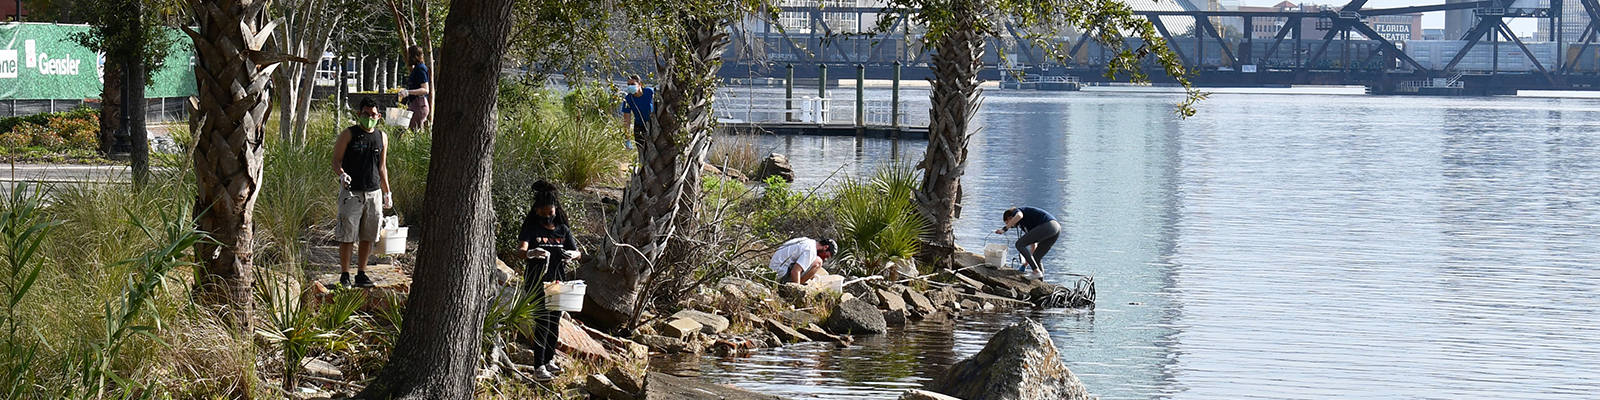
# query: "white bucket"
{"points": [[828, 282], [393, 240], [565, 296], [395, 116], [994, 254]]}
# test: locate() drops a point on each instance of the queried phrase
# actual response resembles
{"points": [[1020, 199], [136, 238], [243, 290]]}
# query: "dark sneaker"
{"points": [[554, 369], [344, 280], [542, 375], [362, 280]]}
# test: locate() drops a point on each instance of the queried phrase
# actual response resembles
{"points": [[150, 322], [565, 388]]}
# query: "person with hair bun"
{"points": [[546, 242], [419, 87]]}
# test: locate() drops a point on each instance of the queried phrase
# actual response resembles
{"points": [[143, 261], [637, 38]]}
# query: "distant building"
{"points": [[1458, 22], [1433, 34], [1573, 20], [1392, 27]]}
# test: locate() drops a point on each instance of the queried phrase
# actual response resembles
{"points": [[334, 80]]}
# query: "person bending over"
{"points": [[1039, 233], [800, 259]]}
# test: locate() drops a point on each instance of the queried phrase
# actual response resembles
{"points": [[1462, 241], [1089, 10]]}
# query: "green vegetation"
{"points": [[67, 135], [878, 220]]}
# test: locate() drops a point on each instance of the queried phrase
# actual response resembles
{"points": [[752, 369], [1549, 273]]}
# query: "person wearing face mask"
{"points": [[360, 163], [638, 104], [546, 242]]}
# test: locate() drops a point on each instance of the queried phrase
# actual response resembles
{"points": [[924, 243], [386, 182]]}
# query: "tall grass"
{"points": [[297, 190], [735, 152]]}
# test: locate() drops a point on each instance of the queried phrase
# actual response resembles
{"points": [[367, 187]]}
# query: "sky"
{"points": [[1522, 26]]}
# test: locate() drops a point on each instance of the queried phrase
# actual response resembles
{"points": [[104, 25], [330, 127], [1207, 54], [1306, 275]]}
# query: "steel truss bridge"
{"points": [[1350, 52]]}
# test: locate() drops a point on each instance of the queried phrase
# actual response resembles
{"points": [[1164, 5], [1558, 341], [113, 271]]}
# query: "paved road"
{"points": [[56, 174]]}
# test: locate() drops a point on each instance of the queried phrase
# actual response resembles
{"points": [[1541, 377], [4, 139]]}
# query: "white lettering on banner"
{"points": [[59, 66], [8, 64], [27, 45]]}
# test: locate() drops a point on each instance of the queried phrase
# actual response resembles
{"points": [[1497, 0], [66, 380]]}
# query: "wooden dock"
{"points": [[815, 129]]}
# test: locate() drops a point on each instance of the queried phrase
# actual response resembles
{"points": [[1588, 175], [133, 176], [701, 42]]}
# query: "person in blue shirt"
{"points": [[1039, 233], [638, 105], [418, 88]]}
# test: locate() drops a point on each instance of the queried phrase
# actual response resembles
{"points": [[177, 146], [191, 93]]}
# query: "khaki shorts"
{"points": [[359, 216]]}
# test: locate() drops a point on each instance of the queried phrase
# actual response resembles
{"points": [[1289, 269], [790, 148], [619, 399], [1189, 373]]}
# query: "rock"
{"points": [[970, 305], [390, 287], [711, 324], [317, 367], [785, 333], [661, 386], [979, 286], [618, 346], [661, 344], [918, 302], [864, 291], [776, 165], [856, 317], [1019, 363], [1016, 283], [679, 328], [966, 259], [794, 292], [891, 301], [625, 380], [915, 394], [798, 318], [944, 297], [816, 333], [730, 173], [745, 289], [577, 343], [505, 276], [894, 317], [600, 387]]}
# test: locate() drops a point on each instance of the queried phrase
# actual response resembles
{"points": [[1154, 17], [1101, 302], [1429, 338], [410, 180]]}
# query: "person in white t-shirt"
{"points": [[800, 259]]}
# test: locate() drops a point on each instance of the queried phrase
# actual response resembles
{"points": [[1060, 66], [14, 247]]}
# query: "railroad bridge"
{"points": [[1488, 59]]}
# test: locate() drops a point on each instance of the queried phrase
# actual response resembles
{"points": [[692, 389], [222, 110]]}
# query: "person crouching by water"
{"points": [[1039, 233], [546, 242], [800, 259]]}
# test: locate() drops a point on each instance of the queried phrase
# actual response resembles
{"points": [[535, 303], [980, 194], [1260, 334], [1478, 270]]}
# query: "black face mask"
{"points": [[548, 221]]}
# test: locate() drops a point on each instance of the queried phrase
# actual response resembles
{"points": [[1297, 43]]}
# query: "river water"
{"points": [[1274, 246]]}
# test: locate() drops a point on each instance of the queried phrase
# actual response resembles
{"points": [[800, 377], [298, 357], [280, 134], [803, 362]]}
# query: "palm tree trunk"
{"points": [[110, 108], [437, 354], [955, 66], [664, 190], [232, 72]]}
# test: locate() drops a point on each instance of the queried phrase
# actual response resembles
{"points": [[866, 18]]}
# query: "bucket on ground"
{"points": [[994, 254], [395, 116], [828, 282], [392, 236], [564, 296]]}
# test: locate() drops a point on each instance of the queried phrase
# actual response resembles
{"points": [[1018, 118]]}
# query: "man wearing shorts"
{"points": [[360, 161]]}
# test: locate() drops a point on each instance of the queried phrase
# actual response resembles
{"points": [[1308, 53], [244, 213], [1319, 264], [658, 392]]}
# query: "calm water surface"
{"points": [[1274, 246]]}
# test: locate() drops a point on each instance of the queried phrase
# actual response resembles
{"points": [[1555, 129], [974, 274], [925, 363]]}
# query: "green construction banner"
{"points": [[40, 61]]}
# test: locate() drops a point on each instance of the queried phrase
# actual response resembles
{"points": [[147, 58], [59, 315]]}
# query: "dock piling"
{"points": [[861, 96]]}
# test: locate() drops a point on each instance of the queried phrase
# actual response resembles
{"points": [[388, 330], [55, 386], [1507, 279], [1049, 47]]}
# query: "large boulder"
{"points": [[745, 289], [890, 301], [855, 317], [710, 323], [784, 332], [795, 293], [776, 165], [919, 303], [1019, 363], [864, 291], [681, 328]]}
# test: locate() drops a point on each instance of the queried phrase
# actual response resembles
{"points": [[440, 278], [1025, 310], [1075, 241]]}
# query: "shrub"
{"points": [[878, 220], [13, 139], [79, 132], [591, 102], [39, 136]]}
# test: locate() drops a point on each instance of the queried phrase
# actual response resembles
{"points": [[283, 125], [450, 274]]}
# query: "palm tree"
{"points": [[958, 31], [232, 71], [663, 192]]}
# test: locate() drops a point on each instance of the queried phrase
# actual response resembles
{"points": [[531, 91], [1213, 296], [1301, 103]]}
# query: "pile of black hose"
{"points": [[1080, 295]]}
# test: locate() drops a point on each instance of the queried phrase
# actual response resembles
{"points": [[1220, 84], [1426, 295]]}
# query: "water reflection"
{"points": [[1271, 247]]}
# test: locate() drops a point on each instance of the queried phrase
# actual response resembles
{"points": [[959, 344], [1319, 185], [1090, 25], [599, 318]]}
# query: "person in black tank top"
{"points": [[360, 163]]}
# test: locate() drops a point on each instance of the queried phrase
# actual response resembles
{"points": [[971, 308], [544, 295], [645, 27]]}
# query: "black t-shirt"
{"points": [[553, 240]]}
